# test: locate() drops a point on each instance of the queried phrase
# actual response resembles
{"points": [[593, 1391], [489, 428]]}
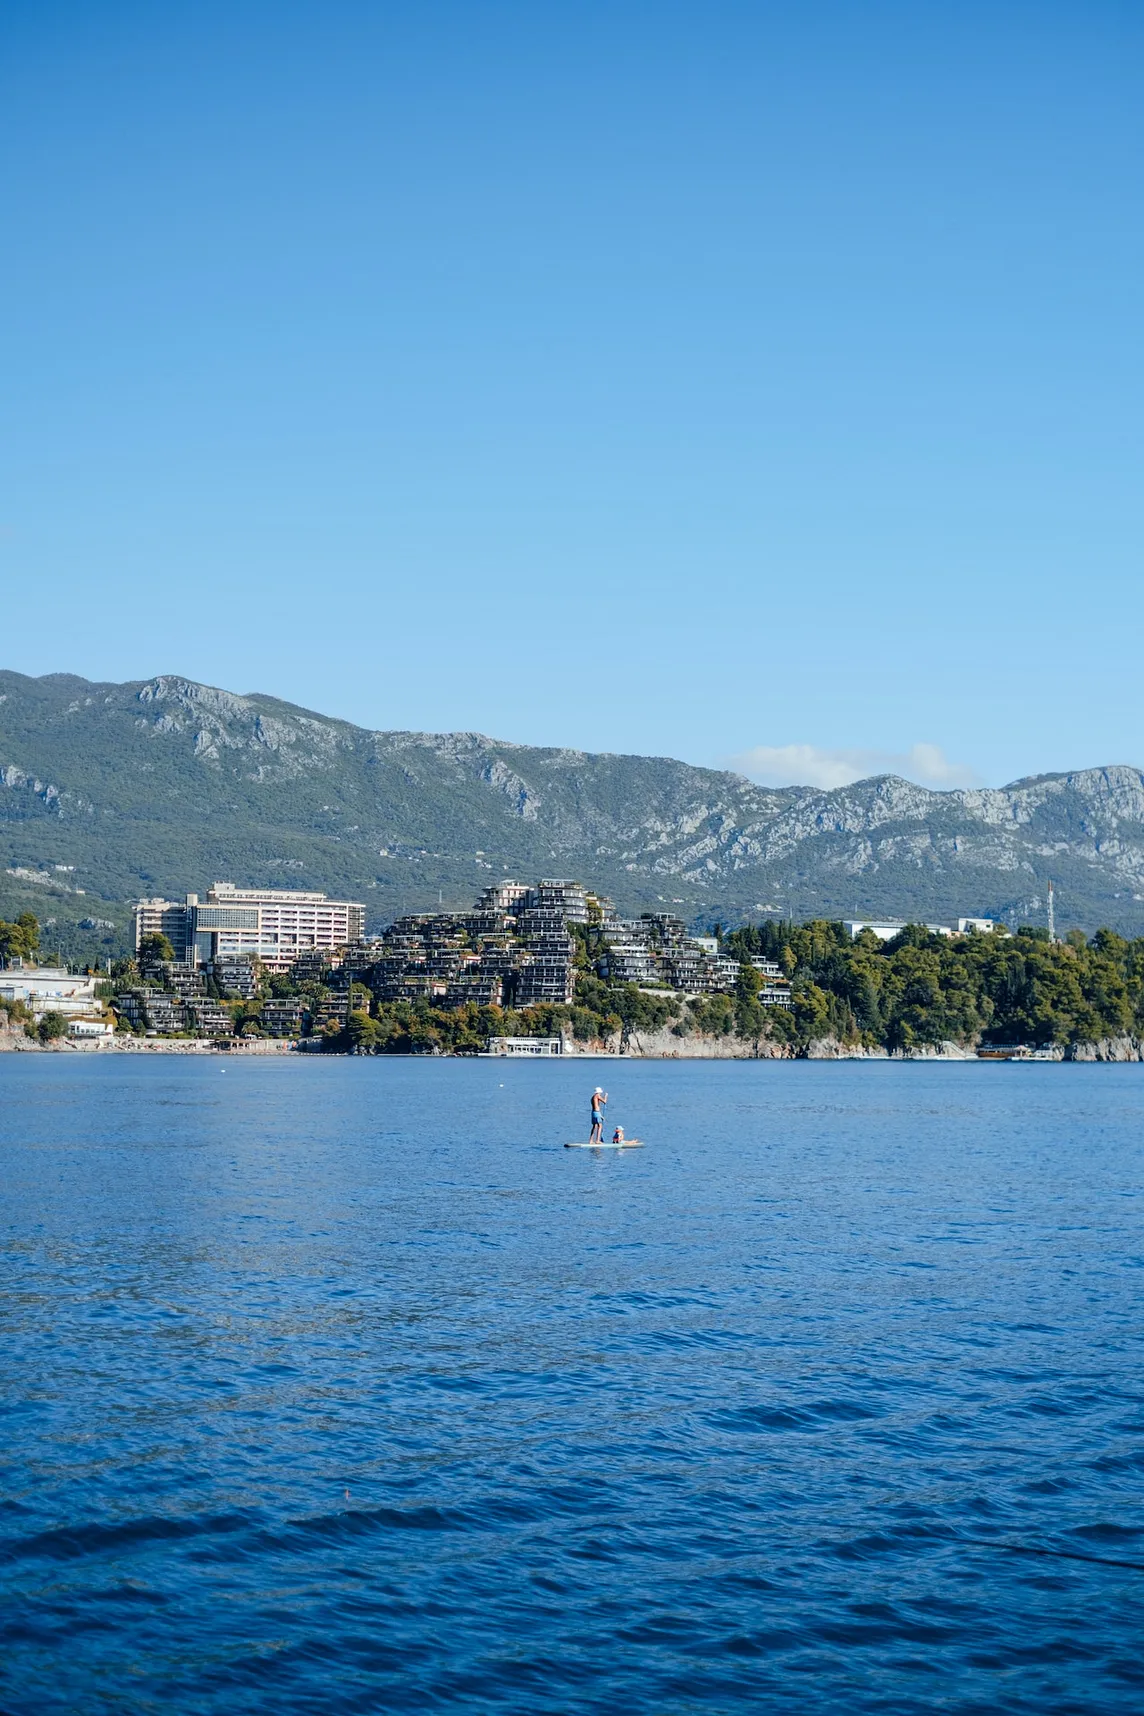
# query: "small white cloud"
{"points": [[810, 765]]}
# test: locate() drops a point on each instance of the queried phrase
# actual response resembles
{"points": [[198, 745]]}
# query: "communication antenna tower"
{"points": [[1052, 920]]}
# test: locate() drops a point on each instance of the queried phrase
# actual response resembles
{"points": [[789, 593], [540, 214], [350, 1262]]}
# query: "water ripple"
{"points": [[316, 1400]]}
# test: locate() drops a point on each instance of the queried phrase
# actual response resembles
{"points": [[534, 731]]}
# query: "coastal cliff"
{"points": [[1122, 1048]]}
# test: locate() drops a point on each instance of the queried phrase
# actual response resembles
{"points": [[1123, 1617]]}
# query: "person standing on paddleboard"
{"points": [[596, 1136]]}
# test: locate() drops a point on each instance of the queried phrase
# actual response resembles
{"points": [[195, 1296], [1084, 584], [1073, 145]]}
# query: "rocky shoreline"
{"points": [[663, 1045], [636, 1045], [18, 1043]]}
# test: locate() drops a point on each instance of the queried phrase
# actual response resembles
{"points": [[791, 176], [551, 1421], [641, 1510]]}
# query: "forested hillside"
{"points": [[916, 993], [922, 989], [919, 992], [160, 786]]}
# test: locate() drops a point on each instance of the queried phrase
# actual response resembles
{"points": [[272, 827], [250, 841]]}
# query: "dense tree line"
{"points": [[916, 991], [921, 989]]}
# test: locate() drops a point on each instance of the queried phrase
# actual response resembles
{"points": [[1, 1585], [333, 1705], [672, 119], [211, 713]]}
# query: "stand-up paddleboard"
{"points": [[606, 1144]]}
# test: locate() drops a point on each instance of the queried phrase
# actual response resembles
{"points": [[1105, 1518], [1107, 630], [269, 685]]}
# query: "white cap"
{"points": [[599, 1090]]}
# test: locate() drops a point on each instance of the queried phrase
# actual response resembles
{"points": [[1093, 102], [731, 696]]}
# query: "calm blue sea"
{"points": [[339, 1386]]}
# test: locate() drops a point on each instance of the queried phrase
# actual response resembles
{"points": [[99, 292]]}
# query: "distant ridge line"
{"points": [[156, 782]]}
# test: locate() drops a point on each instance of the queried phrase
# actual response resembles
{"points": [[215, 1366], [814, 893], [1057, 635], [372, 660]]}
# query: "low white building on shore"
{"points": [[49, 989], [529, 1046]]}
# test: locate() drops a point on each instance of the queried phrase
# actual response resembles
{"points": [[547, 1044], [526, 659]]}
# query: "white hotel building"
{"points": [[275, 925]]}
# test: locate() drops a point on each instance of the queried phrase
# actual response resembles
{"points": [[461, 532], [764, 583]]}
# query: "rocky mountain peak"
{"points": [[159, 784]]}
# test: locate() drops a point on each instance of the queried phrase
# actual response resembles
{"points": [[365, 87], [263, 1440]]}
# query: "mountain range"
{"points": [[163, 785]]}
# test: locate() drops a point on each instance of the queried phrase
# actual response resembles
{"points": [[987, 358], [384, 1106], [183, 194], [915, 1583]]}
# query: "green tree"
{"points": [[52, 1026], [750, 1017], [811, 1008], [154, 948], [361, 1032], [18, 1014], [21, 939]]}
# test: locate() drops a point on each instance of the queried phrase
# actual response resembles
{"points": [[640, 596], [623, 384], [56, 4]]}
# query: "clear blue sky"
{"points": [[702, 379]]}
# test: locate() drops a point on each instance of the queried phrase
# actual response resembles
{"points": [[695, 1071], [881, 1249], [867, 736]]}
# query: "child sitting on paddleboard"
{"points": [[618, 1135]]}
